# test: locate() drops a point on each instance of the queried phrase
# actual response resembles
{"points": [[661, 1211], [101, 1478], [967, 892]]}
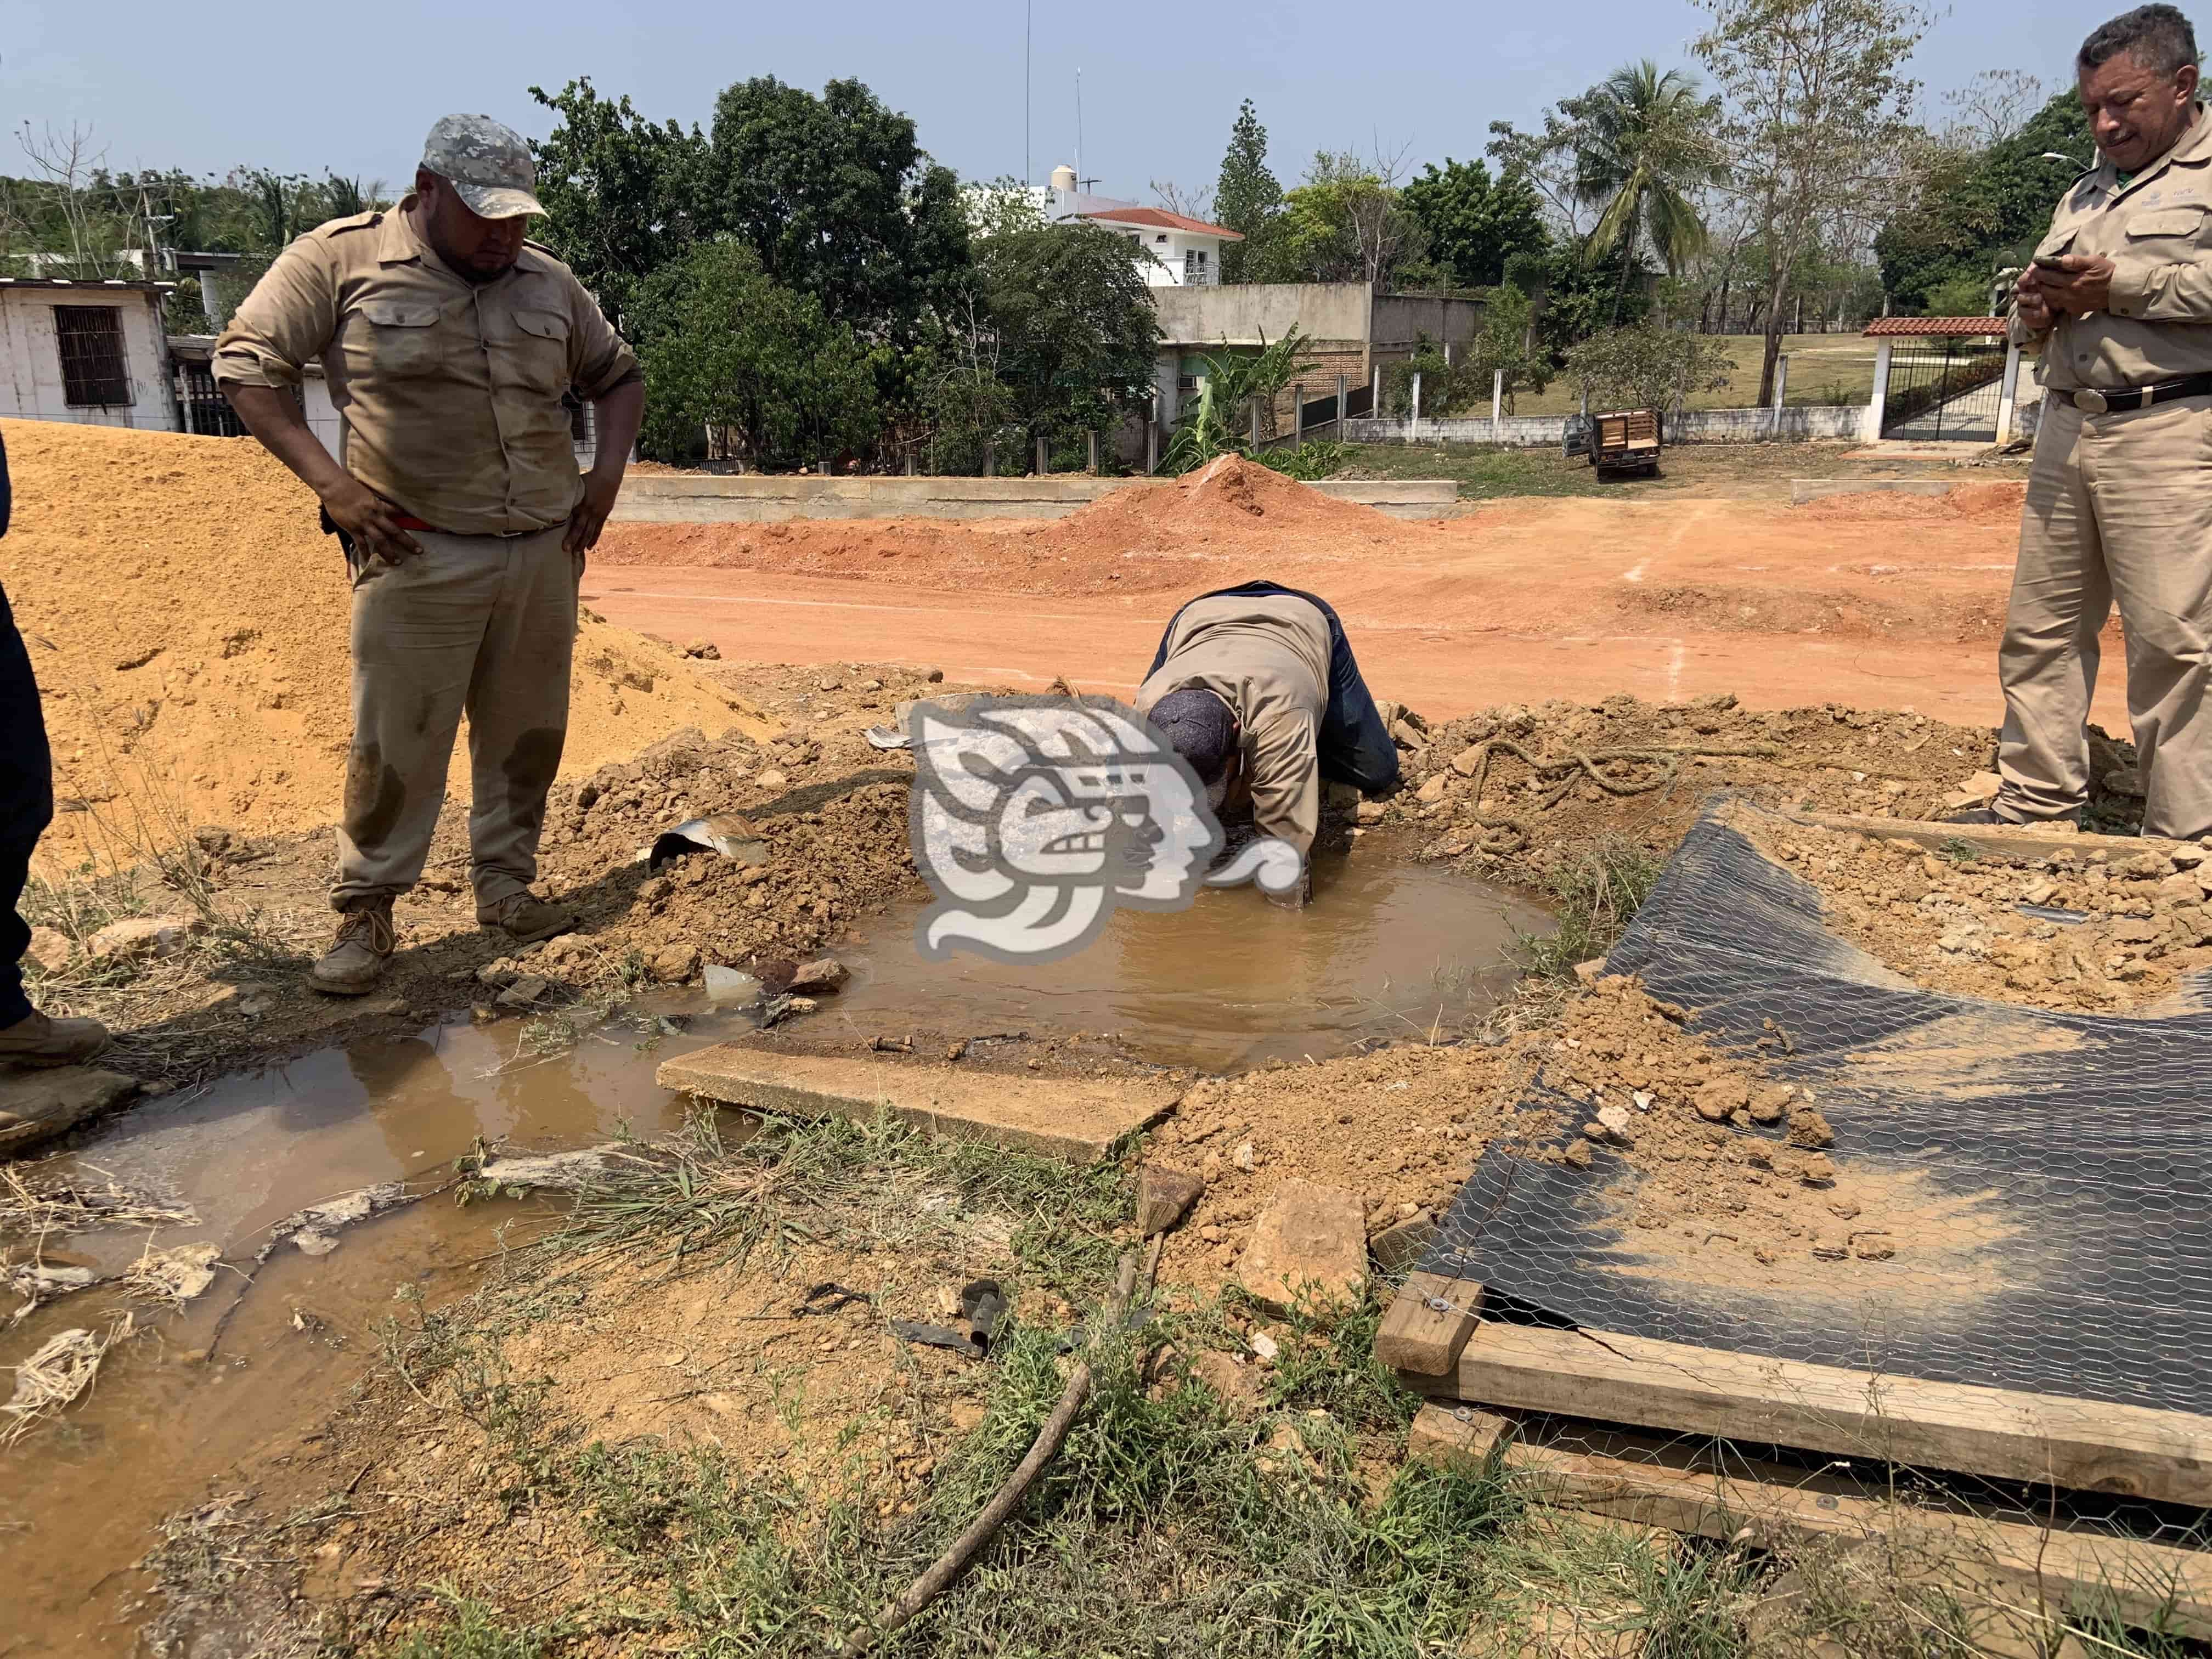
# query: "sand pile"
{"points": [[1229, 521], [1993, 503], [188, 621]]}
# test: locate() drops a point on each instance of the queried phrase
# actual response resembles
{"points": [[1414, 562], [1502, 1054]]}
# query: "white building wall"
{"points": [[31, 365]]}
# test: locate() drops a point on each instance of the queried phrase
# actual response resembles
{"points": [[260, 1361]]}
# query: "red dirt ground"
{"points": [[1880, 601]]}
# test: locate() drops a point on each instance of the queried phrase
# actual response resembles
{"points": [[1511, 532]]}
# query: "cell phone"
{"points": [[2050, 262]]}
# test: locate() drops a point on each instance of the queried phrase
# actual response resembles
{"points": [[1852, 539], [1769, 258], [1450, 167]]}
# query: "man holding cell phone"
{"points": [[2119, 501]]}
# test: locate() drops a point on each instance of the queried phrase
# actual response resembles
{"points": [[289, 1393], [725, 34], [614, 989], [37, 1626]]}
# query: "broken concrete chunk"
{"points": [[1163, 1197], [1873, 1247], [49, 948], [1433, 790], [37, 1106], [823, 973], [705, 650], [525, 992], [136, 937], [1616, 1122], [1808, 1129], [1309, 1244], [1588, 972], [1579, 1156], [1370, 811], [1467, 761]]}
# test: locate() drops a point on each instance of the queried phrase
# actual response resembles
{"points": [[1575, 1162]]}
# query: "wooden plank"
{"points": [[1428, 1324], [2007, 1435], [1077, 1118], [2138, 1582], [1999, 840]]}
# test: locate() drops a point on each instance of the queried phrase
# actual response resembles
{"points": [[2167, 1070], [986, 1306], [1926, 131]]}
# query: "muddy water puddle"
{"points": [[1388, 949]]}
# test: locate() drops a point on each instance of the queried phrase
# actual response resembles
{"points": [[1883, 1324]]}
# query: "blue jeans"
{"points": [[1355, 746], [27, 805]]}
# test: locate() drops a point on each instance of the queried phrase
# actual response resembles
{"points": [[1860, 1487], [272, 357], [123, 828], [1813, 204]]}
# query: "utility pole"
{"points": [[1028, 172]]}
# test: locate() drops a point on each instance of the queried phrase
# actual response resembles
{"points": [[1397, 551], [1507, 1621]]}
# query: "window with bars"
{"points": [[94, 375]]}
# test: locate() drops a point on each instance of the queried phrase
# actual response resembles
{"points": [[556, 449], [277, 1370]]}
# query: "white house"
{"points": [[1185, 252], [91, 352]]}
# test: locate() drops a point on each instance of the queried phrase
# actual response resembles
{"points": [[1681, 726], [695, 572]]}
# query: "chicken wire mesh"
{"points": [[1902, 1183]]}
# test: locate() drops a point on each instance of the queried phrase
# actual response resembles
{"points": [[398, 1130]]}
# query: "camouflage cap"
{"points": [[488, 165]]}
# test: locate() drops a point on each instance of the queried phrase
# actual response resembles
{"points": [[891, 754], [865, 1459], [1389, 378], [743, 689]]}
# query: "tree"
{"points": [[1645, 367], [1248, 198], [1345, 224], [839, 201], [1192, 204], [1504, 347], [1993, 106], [1218, 421], [623, 197], [1646, 142], [1546, 159], [1076, 335], [1820, 116], [724, 345], [1473, 227]]}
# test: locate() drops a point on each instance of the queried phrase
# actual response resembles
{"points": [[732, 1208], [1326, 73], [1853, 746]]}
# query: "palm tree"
{"points": [[1645, 141]]}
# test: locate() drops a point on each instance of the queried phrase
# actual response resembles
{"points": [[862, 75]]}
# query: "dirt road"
{"points": [[1880, 602]]}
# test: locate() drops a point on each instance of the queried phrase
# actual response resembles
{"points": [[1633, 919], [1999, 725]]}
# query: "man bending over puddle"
{"points": [[1255, 686]]}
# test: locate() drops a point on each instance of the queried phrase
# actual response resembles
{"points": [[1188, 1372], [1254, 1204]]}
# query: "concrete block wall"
{"points": [[1693, 426]]}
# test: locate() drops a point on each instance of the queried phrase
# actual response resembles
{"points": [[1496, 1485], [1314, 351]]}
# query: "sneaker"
{"points": [[40, 1040], [526, 918], [355, 960]]}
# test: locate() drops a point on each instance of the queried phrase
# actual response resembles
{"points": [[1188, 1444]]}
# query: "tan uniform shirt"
{"points": [[1268, 655], [2157, 231], [451, 390]]}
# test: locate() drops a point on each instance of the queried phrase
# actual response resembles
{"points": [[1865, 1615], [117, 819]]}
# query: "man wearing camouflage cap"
{"points": [[449, 342]]}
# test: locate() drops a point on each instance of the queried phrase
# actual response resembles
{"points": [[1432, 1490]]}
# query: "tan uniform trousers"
{"points": [[484, 625], [2119, 505]]}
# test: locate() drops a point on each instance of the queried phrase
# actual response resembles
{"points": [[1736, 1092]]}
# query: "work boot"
{"points": [[525, 918], [355, 961], [1989, 815], [39, 1040]]}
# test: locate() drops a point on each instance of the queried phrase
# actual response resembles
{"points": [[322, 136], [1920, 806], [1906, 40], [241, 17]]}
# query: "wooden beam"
{"points": [[2139, 1583], [2006, 1435], [1998, 840], [1427, 1325]]}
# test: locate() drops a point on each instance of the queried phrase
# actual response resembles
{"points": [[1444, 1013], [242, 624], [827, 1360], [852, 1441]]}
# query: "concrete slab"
{"points": [[773, 498], [1075, 1119], [1812, 489], [36, 1106]]}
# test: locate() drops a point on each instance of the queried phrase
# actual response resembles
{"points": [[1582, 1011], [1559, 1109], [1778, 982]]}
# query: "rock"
{"points": [[1808, 1129], [1595, 1131], [1433, 790], [2124, 780], [1770, 1102], [823, 973], [49, 948], [2137, 930], [1643, 1100], [1615, 1121], [1467, 761], [1245, 1157], [870, 685], [37, 1106], [1403, 734], [934, 675], [1724, 1096], [1370, 811], [1264, 1347], [2187, 858], [705, 650], [136, 937], [1309, 1243], [674, 963], [1817, 1170], [499, 972], [2182, 888], [1873, 1247], [830, 682], [1832, 1248], [1588, 972], [392, 1007], [1239, 1386], [773, 779], [255, 1000], [1579, 1156], [1163, 1197], [525, 992], [1400, 1244], [1978, 790]]}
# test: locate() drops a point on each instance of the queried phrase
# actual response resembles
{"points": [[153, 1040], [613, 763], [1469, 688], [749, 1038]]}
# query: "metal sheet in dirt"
{"points": [[2071, 1155]]}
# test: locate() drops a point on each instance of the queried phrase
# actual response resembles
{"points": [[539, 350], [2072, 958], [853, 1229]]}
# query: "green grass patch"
{"points": [[1598, 892]]}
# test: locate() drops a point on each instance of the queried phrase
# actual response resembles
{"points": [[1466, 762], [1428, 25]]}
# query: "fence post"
{"points": [[1256, 421], [1497, 400], [1152, 443], [1091, 444], [1414, 430], [1343, 393], [1871, 432], [1044, 456], [1375, 408], [1781, 385], [1297, 414], [990, 460], [910, 456], [2005, 395]]}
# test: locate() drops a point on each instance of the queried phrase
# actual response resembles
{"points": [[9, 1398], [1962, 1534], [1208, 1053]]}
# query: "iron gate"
{"points": [[1948, 390], [207, 411]]}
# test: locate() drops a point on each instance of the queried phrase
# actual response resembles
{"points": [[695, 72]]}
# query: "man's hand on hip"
{"points": [[369, 519], [2082, 285], [590, 517]]}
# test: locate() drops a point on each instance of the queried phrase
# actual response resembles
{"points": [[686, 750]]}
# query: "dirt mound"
{"points": [[189, 623], [1995, 503], [1228, 500]]}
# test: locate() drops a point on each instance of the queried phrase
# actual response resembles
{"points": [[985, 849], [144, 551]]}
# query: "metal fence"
{"points": [[1948, 390]]}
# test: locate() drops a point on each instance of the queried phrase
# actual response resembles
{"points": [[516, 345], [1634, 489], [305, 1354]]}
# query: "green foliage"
{"points": [[1345, 223], [1646, 367], [1505, 345], [1247, 198], [1974, 208], [1473, 226], [1577, 297], [837, 196], [1218, 421], [1315, 459], [1597, 893], [1438, 395], [1648, 141], [1077, 332], [1963, 296], [724, 346], [623, 197]]}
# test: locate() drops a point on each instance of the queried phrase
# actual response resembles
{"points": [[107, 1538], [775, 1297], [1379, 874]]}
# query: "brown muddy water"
{"points": [[1388, 949]]}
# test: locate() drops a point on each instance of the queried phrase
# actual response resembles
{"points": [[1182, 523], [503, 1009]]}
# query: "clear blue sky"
{"points": [[300, 88]]}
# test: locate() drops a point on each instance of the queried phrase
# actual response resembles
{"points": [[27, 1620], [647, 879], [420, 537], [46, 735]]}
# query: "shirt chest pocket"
{"points": [[393, 338], [539, 349], [2175, 230]]}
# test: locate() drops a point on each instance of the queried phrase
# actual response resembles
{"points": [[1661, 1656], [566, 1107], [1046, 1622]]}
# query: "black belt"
{"points": [[2140, 397]]}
